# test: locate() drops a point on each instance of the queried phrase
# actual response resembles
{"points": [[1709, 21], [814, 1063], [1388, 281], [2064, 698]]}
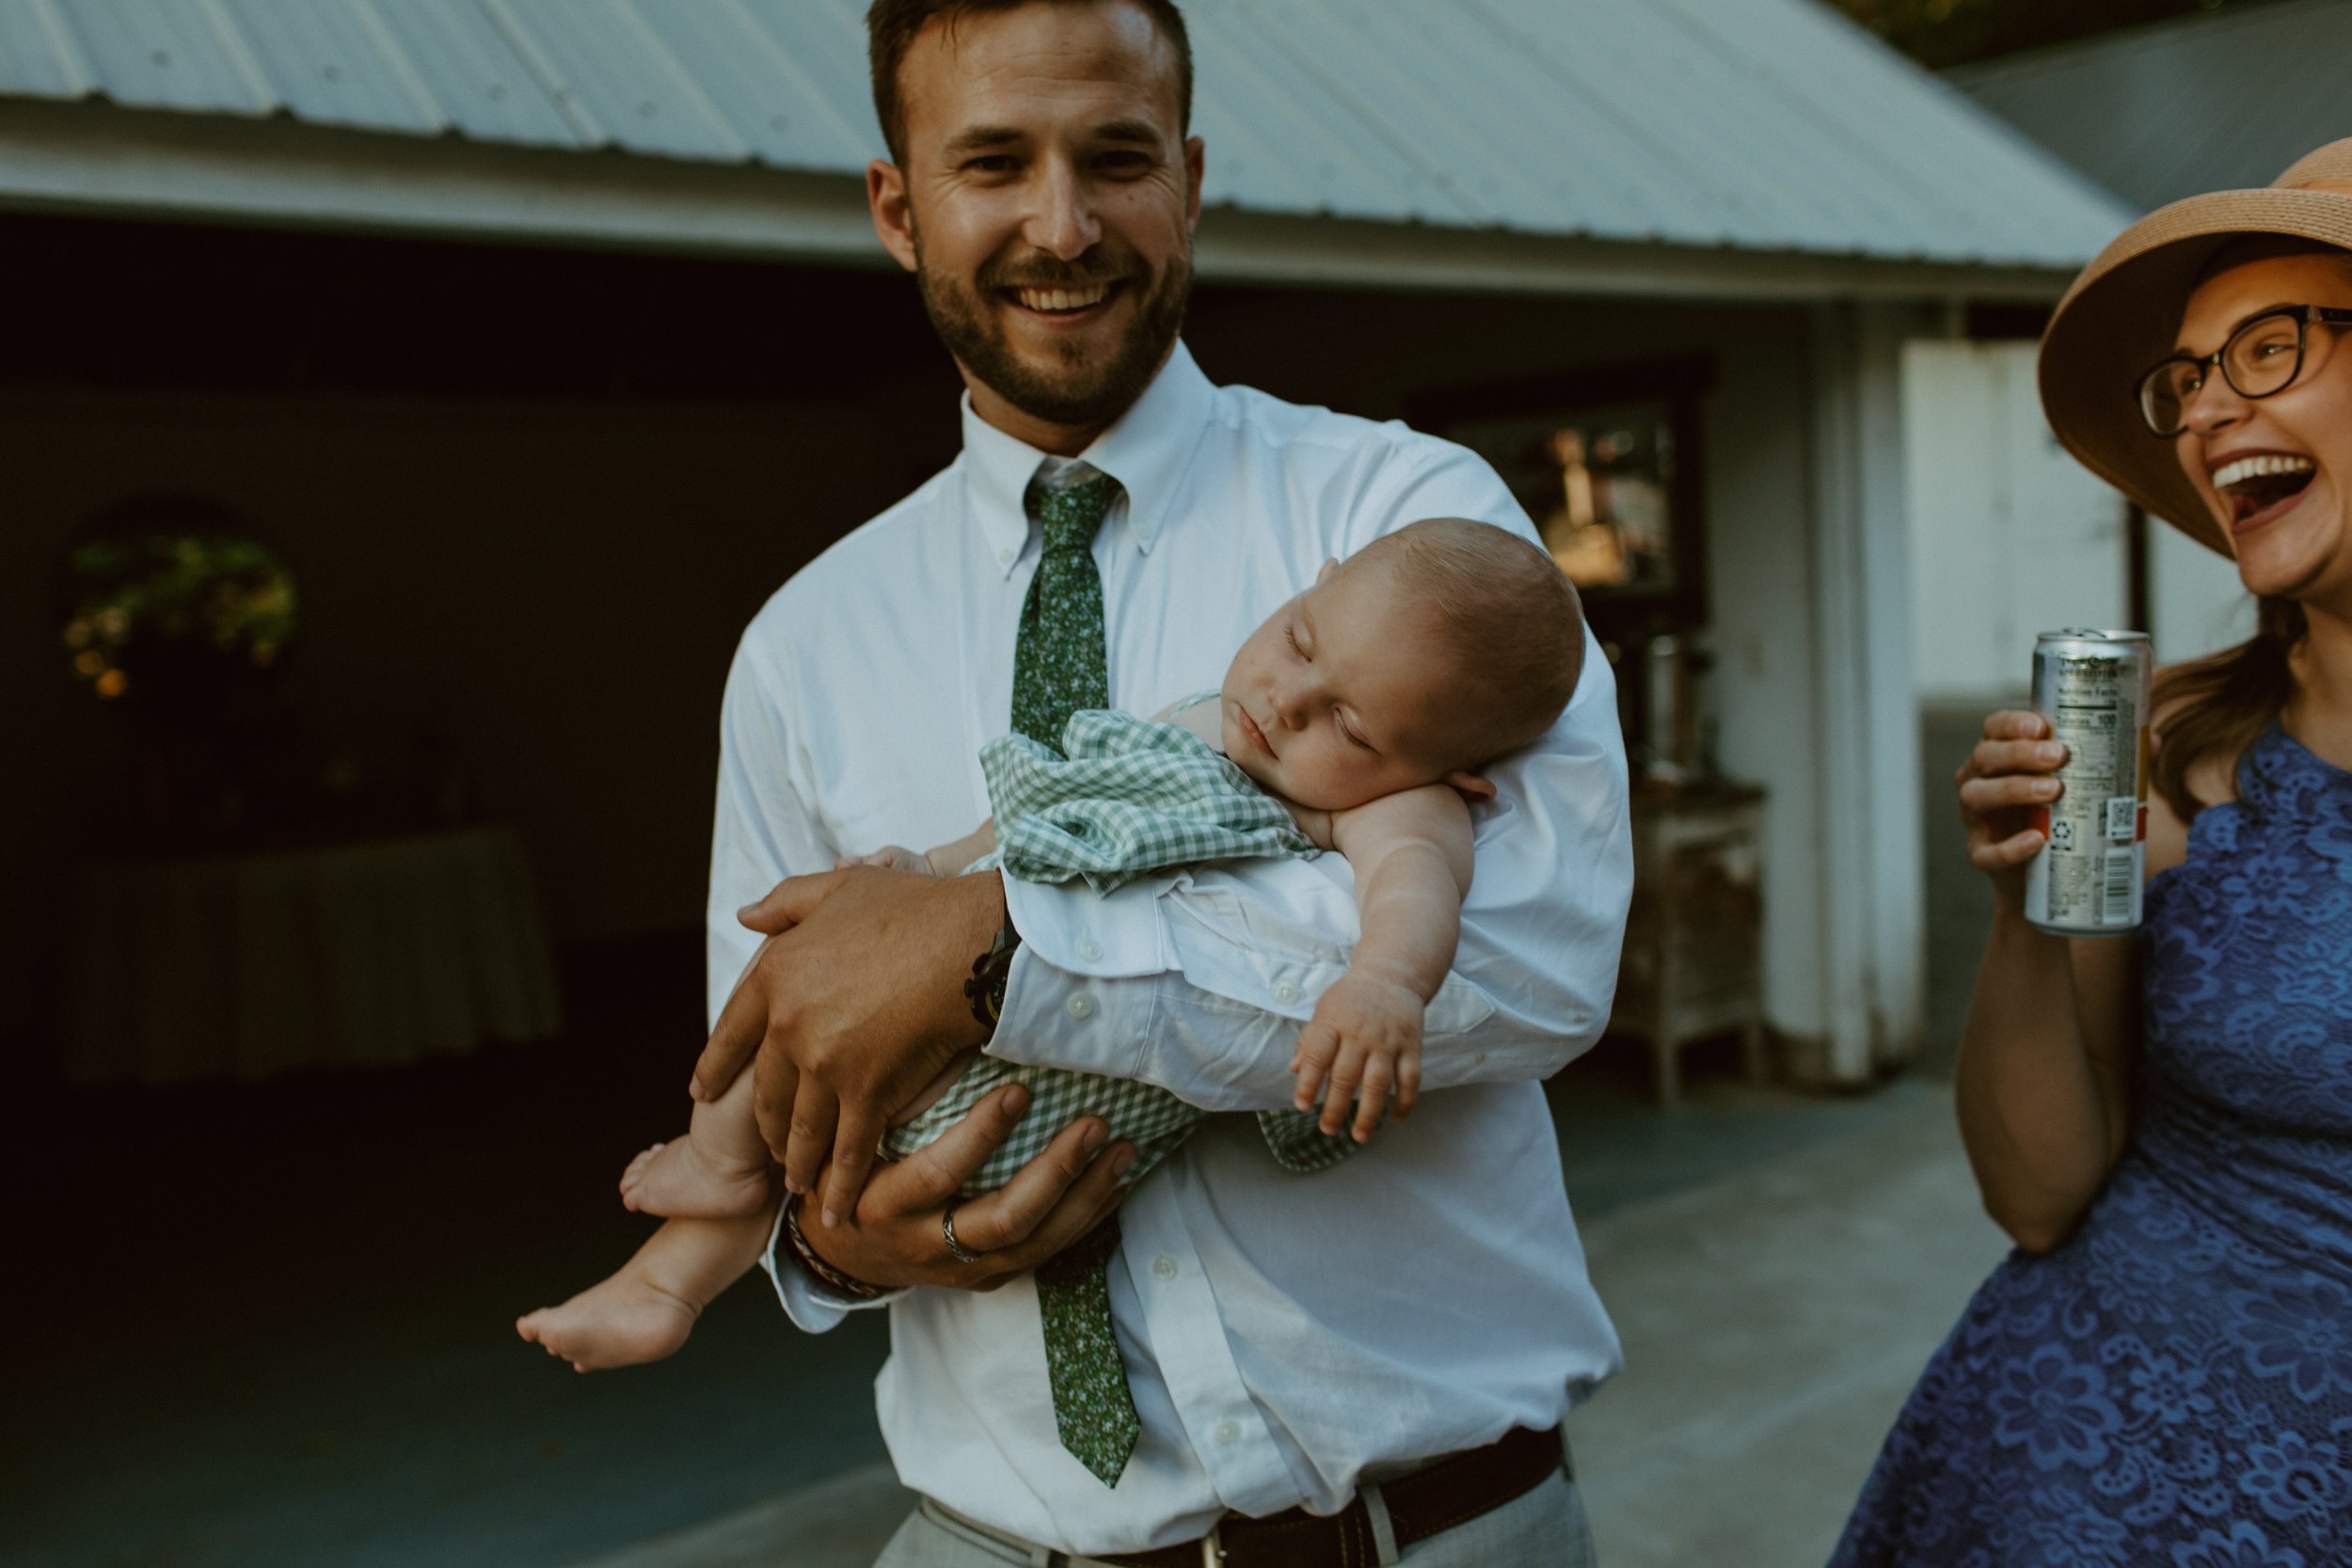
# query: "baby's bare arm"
{"points": [[948, 860], [1412, 857], [1411, 854]]}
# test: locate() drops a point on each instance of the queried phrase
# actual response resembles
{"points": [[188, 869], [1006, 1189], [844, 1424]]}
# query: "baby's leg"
{"points": [[717, 1171], [645, 1311]]}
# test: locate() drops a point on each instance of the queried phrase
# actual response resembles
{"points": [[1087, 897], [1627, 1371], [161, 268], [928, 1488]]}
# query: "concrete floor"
{"points": [[1775, 1317], [1774, 1323], [273, 1324]]}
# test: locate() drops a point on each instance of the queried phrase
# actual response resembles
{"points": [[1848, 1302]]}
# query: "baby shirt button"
{"points": [[1285, 992], [1227, 1431], [1090, 949], [1164, 1266], [1081, 1006]]}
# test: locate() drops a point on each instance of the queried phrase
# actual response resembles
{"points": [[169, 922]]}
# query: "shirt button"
{"points": [[1004, 558], [1081, 1006], [1286, 992], [1090, 949], [1226, 1432], [1164, 1266]]}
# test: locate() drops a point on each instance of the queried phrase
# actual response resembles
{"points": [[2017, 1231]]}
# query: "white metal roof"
{"points": [[1770, 125], [2197, 104]]}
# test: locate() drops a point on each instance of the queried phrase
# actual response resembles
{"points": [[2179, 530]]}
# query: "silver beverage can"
{"points": [[2093, 687]]}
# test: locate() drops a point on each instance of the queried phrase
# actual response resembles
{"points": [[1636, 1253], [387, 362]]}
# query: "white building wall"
{"points": [[2199, 605], [1762, 689], [1873, 944], [2010, 536]]}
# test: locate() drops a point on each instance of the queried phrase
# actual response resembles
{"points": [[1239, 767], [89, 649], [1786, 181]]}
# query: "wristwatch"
{"points": [[991, 971]]}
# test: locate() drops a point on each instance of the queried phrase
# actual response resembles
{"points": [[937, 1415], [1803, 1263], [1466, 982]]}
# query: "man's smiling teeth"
{"points": [[2258, 467], [1062, 299]]}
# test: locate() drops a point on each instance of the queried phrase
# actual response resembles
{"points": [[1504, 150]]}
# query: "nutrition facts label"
{"points": [[2095, 820]]}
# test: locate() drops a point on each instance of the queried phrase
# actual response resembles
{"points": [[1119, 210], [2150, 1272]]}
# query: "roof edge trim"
{"points": [[101, 160]]}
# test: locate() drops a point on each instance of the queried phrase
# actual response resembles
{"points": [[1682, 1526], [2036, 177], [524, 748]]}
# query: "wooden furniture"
{"points": [[1694, 941]]}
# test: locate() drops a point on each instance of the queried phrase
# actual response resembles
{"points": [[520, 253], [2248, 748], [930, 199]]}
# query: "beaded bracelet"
{"points": [[825, 1273]]}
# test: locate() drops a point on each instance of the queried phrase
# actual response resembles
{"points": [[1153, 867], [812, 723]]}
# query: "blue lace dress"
{"points": [[2173, 1386]]}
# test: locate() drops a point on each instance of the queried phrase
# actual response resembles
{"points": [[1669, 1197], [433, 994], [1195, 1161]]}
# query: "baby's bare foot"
{"points": [[678, 1180], [622, 1323]]}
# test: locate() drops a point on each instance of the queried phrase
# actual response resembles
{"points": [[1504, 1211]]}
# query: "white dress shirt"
{"points": [[1283, 1333]]}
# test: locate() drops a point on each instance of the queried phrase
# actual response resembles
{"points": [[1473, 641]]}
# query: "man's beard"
{"points": [[1073, 392]]}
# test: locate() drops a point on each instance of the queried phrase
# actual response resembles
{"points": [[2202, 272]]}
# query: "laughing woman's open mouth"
{"points": [[2262, 487]]}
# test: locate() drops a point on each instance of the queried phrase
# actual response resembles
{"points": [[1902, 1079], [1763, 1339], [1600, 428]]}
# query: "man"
{"points": [[1313, 1349]]}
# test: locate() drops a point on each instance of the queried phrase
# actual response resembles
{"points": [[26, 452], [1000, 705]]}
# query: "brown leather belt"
{"points": [[1433, 1498]]}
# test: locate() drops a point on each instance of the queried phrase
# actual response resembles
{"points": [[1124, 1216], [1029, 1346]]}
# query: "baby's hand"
{"points": [[891, 857], [1365, 1037]]}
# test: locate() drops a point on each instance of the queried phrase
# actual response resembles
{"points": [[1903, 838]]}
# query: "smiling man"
{"points": [[1369, 1364]]}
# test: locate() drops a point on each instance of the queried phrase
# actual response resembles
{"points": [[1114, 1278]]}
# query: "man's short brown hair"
{"points": [[890, 26]]}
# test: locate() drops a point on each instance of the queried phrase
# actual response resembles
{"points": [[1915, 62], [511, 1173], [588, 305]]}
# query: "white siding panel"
{"points": [[2199, 605], [2010, 537]]}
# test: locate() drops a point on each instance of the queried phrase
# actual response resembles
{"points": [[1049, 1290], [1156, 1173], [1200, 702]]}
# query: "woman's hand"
{"points": [[2006, 777]]}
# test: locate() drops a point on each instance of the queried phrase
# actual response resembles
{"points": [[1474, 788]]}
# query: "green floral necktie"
{"points": [[1059, 666]]}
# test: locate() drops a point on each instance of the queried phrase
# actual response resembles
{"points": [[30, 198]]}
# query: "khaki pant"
{"points": [[1544, 1528]]}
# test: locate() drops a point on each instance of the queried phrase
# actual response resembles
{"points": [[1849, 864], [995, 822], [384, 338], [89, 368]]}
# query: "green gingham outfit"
{"points": [[1129, 797]]}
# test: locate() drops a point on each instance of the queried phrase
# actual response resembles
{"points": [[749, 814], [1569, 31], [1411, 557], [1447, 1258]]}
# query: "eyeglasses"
{"points": [[2262, 358]]}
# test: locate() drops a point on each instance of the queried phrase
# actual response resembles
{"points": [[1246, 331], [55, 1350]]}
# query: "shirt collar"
{"points": [[1147, 451]]}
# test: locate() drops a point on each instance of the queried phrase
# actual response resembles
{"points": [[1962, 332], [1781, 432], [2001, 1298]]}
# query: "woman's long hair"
{"points": [[2216, 707]]}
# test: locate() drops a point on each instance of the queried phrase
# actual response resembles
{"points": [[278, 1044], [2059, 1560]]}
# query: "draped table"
{"points": [[246, 966]]}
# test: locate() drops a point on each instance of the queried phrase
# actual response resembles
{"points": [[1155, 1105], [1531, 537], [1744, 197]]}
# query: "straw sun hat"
{"points": [[2119, 317]]}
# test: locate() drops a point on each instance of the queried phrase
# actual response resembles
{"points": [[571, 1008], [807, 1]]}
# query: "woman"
{"points": [[2162, 1372]]}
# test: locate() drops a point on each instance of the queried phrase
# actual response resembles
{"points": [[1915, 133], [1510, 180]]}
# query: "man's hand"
{"points": [[1366, 1036], [897, 1238], [854, 1004]]}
